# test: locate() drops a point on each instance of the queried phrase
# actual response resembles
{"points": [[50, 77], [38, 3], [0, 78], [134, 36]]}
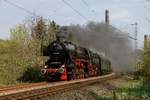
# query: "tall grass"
{"points": [[134, 91]]}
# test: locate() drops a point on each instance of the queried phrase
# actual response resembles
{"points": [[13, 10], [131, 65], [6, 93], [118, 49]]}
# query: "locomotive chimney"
{"points": [[106, 16]]}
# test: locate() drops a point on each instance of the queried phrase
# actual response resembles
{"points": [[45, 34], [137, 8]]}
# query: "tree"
{"points": [[21, 57], [146, 63], [43, 32], [39, 28], [52, 30], [19, 34]]}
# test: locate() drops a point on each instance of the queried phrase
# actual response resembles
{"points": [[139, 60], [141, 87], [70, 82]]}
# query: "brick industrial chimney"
{"points": [[106, 16]]}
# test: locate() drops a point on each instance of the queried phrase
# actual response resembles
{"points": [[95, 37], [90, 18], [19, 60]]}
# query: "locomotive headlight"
{"points": [[45, 66], [63, 66]]}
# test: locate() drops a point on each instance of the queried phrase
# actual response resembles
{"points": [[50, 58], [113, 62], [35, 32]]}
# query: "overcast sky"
{"points": [[122, 13]]}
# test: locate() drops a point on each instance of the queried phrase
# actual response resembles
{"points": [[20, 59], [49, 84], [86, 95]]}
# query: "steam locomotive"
{"points": [[67, 61]]}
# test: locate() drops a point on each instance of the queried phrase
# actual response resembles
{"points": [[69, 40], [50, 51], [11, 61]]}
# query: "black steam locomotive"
{"points": [[68, 61]]}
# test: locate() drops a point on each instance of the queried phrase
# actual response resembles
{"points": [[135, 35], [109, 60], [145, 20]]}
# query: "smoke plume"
{"points": [[105, 39]]}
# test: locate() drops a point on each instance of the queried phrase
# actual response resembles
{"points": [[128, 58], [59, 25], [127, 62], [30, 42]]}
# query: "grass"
{"points": [[135, 90]]}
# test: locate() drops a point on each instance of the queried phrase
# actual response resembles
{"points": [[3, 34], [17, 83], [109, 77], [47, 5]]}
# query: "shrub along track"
{"points": [[34, 91]]}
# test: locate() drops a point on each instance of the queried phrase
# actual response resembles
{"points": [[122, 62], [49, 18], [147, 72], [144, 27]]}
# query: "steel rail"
{"points": [[21, 86]]}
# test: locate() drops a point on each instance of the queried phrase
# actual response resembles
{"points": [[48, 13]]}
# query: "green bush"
{"points": [[31, 74]]}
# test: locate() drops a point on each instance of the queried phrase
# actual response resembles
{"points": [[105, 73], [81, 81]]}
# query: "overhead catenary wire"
{"points": [[19, 7], [85, 3], [32, 13], [132, 38], [147, 19], [75, 10]]}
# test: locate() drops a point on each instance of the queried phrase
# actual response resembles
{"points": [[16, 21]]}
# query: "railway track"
{"points": [[36, 90], [20, 86]]}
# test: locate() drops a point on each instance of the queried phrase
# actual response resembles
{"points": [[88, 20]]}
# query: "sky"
{"points": [[123, 13]]}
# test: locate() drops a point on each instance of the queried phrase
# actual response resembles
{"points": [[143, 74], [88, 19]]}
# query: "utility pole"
{"points": [[136, 34]]}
